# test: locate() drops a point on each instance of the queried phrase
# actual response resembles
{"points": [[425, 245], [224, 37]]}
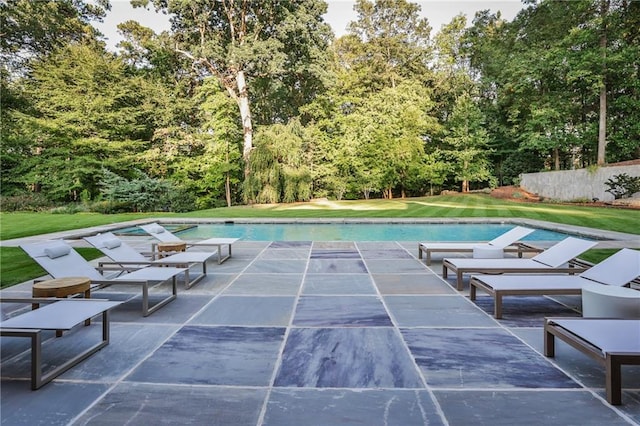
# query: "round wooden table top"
{"points": [[61, 287], [176, 246]]}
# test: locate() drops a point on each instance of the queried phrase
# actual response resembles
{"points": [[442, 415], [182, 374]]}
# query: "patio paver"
{"points": [[318, 333]]}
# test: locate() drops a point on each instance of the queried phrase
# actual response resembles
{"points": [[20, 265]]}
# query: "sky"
{"points": [[339, 14]]}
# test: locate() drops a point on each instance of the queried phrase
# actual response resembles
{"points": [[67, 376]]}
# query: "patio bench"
{"points": [[56, 315]]}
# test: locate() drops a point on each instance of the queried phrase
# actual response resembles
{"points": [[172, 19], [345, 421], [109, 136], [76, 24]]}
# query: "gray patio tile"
{"points": [[346, 358], [276, 266], [290, 244], [54, 404], [266, 284], [321, 407], [129, 344], [480, 358], [316, 284], [247, 311], [212, 284], [284, 254], [147, 404], [341, 245], [398, 266], [342, 311], [436, 311], [215, 356], [336, 266], [377, 245], [13, 346], [411, 284], [526, 408], [396, 253], [175, 312], [335, 254], [234, 265]]}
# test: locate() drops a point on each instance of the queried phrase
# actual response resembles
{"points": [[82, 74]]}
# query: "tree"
{"points": [[452, 70], [467, 140], [280, 171], [391, 42], [33, 29], [87, 114], [235, 41]]}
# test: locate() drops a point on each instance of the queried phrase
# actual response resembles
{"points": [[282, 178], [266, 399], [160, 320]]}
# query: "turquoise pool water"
{"points": [[360, 232]]}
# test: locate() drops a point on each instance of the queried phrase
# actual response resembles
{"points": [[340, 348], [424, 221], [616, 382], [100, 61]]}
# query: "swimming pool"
{"points": [[360, 232]]}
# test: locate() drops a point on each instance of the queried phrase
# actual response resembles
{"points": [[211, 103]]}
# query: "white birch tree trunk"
{"points": [[245, 115]]}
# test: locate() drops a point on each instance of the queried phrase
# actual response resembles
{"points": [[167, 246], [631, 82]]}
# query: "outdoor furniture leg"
{"points": [[38, 378]]}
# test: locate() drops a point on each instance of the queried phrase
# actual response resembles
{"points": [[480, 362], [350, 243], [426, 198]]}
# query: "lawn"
{"points": [[16, 267]]}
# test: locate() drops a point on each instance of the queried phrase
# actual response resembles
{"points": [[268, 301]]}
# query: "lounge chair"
{"points": [[506, 242], [55, 315], [617, 270], [164, 236], [612, 342], [552, 260], [61, 261], [123, 254]]}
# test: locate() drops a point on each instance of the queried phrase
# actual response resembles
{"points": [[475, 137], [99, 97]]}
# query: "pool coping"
{"points": [[606, 239]]}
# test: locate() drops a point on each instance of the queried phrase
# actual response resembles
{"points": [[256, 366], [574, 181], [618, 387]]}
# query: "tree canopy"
{"points": [[245, 102]]}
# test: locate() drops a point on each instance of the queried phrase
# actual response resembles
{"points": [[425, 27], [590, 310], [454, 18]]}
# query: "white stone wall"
{"points": [[572, 185]]}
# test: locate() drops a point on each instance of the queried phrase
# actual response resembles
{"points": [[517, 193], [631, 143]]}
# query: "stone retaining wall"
{"points": [[573, 185]]}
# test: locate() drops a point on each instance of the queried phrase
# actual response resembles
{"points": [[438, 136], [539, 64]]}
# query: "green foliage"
{"points": [[25, 202], [384, 111], [516, 163], [143, 193], [33, 29], [467, 140], [279, 172], [623, 185]]}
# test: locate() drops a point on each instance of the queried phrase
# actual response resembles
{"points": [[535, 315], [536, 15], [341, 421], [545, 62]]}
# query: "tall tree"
{"points": [[33, 29], [602, 124], [87, 114], [237, 40], [467, 140], [392, 41]]}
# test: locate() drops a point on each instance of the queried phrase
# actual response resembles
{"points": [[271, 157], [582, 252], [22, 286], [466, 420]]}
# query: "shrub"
{"points": [[111, 207], [179, 201], [623, 185], [31, 202], [70, 209]]}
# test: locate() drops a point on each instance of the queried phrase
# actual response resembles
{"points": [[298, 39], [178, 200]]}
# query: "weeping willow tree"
{"points": [[280, 170]]}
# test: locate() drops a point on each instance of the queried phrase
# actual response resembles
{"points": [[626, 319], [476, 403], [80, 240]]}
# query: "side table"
{"points": [[172, 248], [60, 288]]}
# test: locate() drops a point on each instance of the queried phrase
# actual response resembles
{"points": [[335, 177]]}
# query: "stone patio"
{"points": [[317, 333]]}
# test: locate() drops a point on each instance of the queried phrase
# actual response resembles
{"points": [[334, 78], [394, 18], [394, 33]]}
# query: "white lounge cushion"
{"points": [[112, 243], [57, 250]]}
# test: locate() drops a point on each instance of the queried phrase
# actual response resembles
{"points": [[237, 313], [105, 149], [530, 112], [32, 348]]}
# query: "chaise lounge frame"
{"points": [[611, 360], [547, 262], [56, 315], [167, 237]]}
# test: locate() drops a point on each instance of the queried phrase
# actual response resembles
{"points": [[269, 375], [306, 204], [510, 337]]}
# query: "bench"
{"points": [[56, 315]]}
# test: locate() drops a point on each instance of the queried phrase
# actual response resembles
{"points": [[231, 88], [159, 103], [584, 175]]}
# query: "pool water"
{"points": [[360, 232]]}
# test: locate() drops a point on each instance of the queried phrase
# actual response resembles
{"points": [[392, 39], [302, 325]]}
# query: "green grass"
{"points": [[15, 266]]}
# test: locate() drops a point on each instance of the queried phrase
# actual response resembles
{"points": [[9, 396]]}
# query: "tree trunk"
{"points": [[227, 182], [556, 159], [602, 127], [245, 115]]}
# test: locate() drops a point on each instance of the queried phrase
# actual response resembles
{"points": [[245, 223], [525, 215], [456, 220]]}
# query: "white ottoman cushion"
{"points": [[604, 301], [486, 251]]}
